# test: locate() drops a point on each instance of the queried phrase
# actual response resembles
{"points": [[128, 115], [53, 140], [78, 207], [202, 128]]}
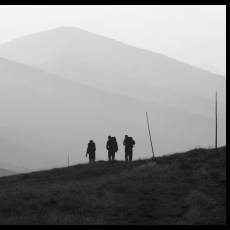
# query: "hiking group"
{"points": [[112, 148]]}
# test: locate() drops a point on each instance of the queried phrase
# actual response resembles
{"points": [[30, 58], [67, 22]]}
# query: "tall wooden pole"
{"points": [[216, 121], [149, 133], [68, 159]]}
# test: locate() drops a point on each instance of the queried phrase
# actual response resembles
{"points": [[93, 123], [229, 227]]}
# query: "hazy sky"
{"points": [[192, 34]]}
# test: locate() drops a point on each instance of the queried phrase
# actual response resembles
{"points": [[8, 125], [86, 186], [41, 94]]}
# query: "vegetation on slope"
{"points": [[183, 188]]}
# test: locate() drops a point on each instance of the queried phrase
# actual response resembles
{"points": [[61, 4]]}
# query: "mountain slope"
{"points": [[62, 111], [180, 189], [6, 172], [22, 156], [77, 71], [13, 168], [70, 128], [115, 57], [210, 68], [35, 142]]}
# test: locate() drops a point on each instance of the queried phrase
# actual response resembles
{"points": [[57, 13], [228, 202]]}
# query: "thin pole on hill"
{"points": [[68, 159], [216, 122], [149, 133]]}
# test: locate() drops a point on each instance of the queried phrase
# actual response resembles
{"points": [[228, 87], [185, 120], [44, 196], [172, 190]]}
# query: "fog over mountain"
{"points": [[6, 172], [12, 167], [115, 57], [66, 126], [210, 68], [63, 87], [80, 72], [21, 156]]}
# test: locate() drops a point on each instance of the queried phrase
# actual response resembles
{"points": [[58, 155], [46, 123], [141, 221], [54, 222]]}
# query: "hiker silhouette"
{"points": [[112, 147], [128, 143], [91, 149]]}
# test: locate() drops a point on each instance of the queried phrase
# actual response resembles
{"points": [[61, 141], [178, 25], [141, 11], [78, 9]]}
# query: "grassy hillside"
{"points": [[182, 188]]}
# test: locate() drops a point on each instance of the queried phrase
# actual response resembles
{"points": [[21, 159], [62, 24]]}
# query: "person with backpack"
{"points": [[129, 144], [91, 150], [107, 147], [112, 147]]}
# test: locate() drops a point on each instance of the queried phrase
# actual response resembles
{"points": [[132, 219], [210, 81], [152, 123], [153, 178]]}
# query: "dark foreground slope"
{"points": [[183, 188]]}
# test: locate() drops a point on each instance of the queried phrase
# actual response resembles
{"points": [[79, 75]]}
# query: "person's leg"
{"points": [[131, 155], [110, 155], [126, 155], [113, 156]]}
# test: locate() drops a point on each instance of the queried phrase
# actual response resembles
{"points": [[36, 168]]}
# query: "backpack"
{"points": [[91, 147], [130, 142], [114, 144]]}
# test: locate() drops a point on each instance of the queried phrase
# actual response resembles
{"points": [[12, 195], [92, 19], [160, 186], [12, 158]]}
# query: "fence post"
{"points": [[150, 134]]}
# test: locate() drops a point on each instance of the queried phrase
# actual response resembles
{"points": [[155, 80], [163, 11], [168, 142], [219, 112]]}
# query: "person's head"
{"points": [[109, 137], [91, 141], [126, 136]]}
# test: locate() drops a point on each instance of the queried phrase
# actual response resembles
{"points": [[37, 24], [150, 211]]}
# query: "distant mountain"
{"points": [[70, 114], [67, 126], [21, 156], [115, 57], [6, 172], [210, 68], [14, 168], [77, 71], [46, 147]]}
